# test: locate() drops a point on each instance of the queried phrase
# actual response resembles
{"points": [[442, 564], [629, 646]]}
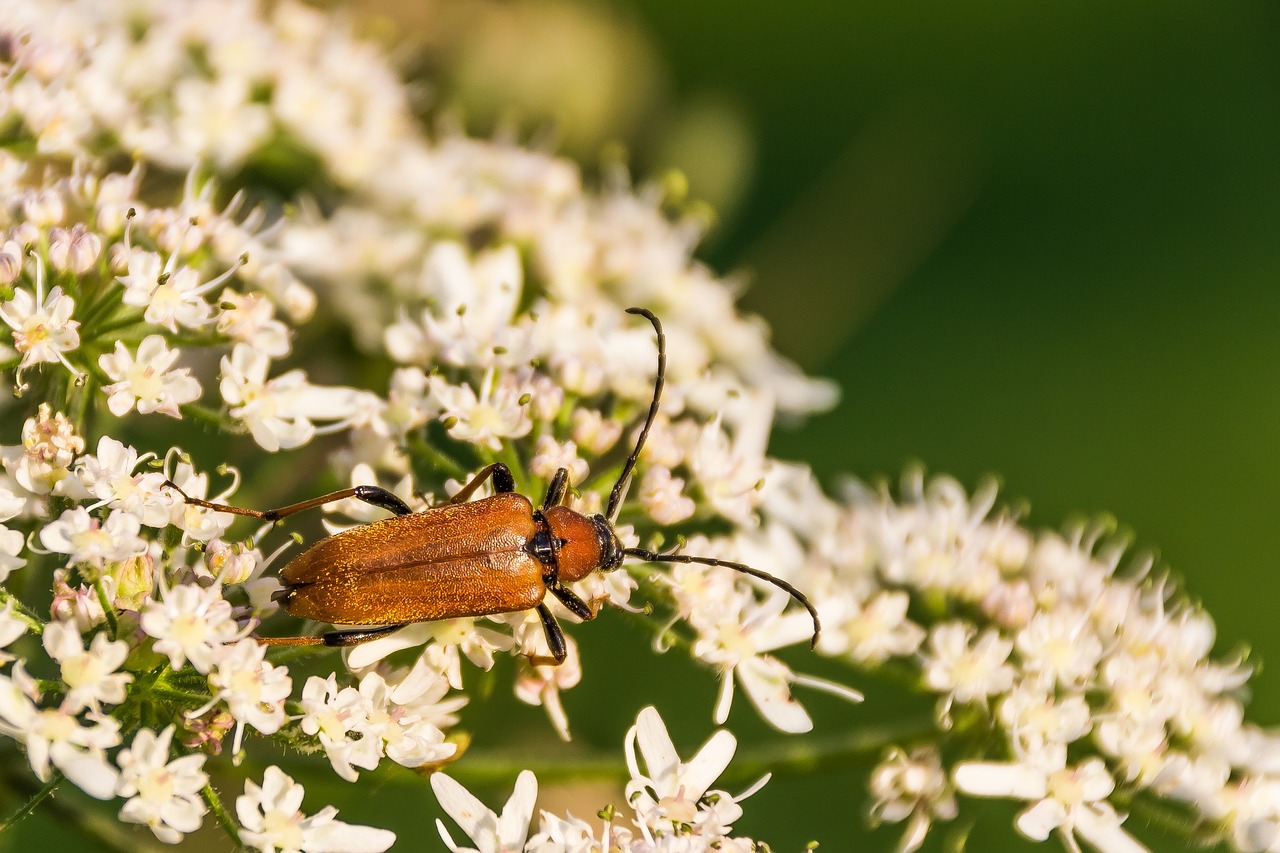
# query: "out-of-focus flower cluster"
{"points": [[178, 200]]}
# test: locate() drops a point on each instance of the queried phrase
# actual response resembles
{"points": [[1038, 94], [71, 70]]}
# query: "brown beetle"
{"points": [[465, 558]]}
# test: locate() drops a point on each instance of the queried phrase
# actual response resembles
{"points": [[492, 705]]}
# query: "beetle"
{"points": [[466, 558]]}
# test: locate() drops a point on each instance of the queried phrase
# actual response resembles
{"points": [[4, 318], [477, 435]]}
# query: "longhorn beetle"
{"points": [[465, 558]]}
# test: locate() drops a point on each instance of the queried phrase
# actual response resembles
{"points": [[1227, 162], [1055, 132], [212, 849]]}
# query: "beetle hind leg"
{"points": [[338, 639]]}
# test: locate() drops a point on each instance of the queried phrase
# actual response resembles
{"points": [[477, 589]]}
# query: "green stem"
{"points": [[164, 691], [107, 609], [30, 805], [220, 813], [22, 612]]}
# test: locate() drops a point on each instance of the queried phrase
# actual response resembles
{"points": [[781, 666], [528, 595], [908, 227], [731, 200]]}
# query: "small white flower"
{"points": [[75, 250], [542, 684], [249, 318], [279, 412], [42, 327], [332, 714], [500, 411], [55, 737], [190, 623], [109, 476], [549, 456], [162, 794], [968, 666], [403, 717], [90, 542], [873, 632], [254, 689], [271, 820], [170, 295], [90, 676], [49, 446], [735, 631], [913, 788], [667, 794], [1072, 800], [662, 496], [491, 833], [145, 381]]}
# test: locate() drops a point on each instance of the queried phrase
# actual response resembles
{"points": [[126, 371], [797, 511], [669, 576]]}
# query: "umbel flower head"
{"points": [[468, 301]]}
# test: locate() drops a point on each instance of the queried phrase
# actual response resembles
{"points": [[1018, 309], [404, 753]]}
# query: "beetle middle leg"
{"points": [[374, 495], [503, 482]]}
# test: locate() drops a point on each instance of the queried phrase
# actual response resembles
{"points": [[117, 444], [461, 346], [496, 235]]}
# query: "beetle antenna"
{"points": [[653, 557], [615, 497]]}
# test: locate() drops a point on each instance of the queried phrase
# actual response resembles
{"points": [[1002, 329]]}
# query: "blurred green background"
{"points": [[1031, 240], [1035, 240]]}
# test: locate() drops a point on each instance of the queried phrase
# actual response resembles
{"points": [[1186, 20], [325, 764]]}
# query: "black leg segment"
{"points": [[380, 497], [569, 599], [556, 490], [555, 636]]}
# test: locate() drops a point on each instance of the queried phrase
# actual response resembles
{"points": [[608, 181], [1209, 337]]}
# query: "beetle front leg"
{"points": [[557, 489], [503, 482]]}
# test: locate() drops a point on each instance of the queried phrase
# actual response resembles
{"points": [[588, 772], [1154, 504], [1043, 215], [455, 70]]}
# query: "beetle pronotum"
{"points": [[466, 558]]}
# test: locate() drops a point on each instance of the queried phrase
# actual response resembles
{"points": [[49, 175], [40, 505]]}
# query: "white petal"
{"points": [[513, 826], [460, 804], [709, 763], [1105, 833], [724, 700], [660, 758], [91, 774], [766, 683], [339, 837], [1000, 779], [1041, 819]]}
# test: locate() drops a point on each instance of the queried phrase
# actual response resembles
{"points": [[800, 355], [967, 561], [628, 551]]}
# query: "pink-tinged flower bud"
{"points": [[75, 250], [10, 262]]}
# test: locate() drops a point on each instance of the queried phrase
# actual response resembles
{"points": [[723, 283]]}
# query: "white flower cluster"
{"points": [[675, 808], [489, 285]]}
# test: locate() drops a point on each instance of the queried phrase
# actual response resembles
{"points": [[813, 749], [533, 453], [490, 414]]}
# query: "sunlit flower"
{"points": [[162, 794], [146, 381], [271, 820]]}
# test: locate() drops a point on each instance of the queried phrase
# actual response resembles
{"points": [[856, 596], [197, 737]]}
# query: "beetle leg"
{"points": [[556, 490], [571, 600], [503, 482], [555, 639], [352, 637], [375, 495]]}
